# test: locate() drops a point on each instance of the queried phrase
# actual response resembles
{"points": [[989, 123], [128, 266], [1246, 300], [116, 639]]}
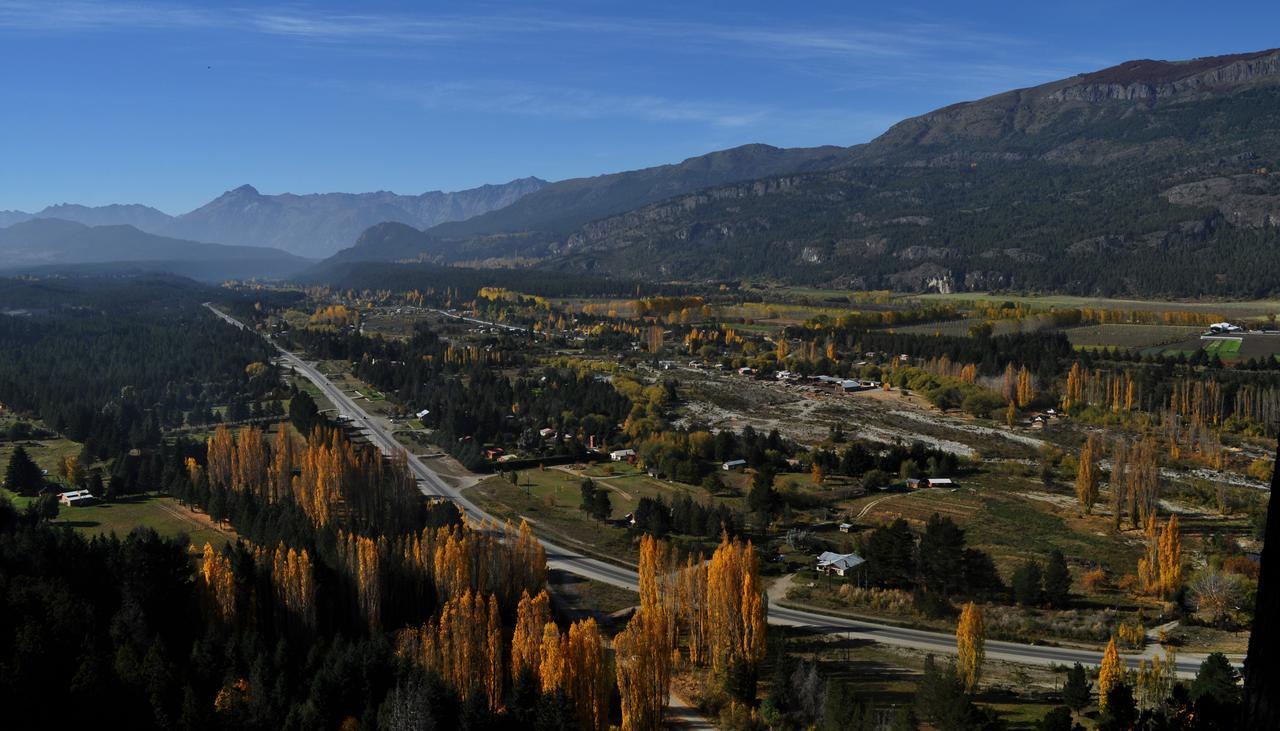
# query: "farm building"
{"points": [[621, 455], [734, 464], [839, 564], [846, 527], [76, 497], [917, 483]]}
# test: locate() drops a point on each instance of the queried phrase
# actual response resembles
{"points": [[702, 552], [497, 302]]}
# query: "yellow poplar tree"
{"points": [[971, 638], [1170, 557], [1110, 673], [551, 668], [586, 677], [1087, 475], [532, 615], [219, 581]]}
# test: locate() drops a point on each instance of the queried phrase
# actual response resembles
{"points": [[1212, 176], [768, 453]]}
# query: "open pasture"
{"points": [[1128, 336], [1230, 309]]}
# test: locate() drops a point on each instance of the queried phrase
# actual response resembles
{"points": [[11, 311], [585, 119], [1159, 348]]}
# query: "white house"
{"points": [[76, 497], [839, 564], [621, 455], [733, 464]]}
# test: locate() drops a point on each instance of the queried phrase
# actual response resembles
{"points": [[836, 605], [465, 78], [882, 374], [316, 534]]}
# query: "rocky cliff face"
{"points": [[1147, 80], [1047, 121]]}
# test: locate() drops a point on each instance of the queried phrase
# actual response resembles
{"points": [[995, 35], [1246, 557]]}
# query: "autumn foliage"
{"points": [[971, 636]]}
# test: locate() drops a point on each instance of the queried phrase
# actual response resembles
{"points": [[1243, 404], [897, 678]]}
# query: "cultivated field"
{"points": [[1128, 336]]}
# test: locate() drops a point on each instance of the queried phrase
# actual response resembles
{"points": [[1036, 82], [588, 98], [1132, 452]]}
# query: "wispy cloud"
{"points": [[561, 102], [849, 58], [90, 16], [312, 24]]}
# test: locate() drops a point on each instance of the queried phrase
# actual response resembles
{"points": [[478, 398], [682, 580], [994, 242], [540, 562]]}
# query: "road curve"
{"points": [[575, 563]]}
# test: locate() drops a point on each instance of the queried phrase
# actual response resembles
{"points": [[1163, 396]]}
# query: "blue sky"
{"points": [[171, 103]]}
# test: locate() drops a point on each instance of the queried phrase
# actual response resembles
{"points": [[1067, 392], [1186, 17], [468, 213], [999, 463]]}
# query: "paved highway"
{"points": [[575, 563]]}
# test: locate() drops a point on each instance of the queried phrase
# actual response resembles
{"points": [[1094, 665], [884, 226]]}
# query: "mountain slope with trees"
{"points": [[1148, 178], [529, 224]]}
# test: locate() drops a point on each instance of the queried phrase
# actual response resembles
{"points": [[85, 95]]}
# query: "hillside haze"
{"points": [[1150, 177], [320, 224], [312, 226], [529, 224], [45, 243]]}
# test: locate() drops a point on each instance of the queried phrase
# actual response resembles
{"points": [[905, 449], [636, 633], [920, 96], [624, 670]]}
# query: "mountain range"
{"points": [[1145, 178], [42, 244], [1150, 177], [312, 226]]}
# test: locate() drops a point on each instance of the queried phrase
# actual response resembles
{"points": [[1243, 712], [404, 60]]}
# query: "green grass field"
{"points": [[48, 453], [164, 514], [1224, 349], [551, 498]]}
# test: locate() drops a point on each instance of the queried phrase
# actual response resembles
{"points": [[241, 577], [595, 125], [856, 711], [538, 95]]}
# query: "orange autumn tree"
{"points": [[551, 670], [1169, 557], [293, 580], [532, 614], [643, 651], [1160, 568], [586, 675], [642, 657], [1087, 477], [971, 636], [718, 605], [463, 645], [219, 582], [283, 456], [362, 559], [1110, 673], [735, 606]]}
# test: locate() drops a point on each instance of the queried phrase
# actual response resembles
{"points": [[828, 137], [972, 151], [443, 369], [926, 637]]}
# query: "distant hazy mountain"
{"points": [[141, 217], [319, 224], [8, 218], [43, 242], [313, 225], [561, 207]]}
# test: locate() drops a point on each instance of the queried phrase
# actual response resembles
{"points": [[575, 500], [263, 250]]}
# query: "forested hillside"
{"points": [[1149, 178], [1067, 190]]}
